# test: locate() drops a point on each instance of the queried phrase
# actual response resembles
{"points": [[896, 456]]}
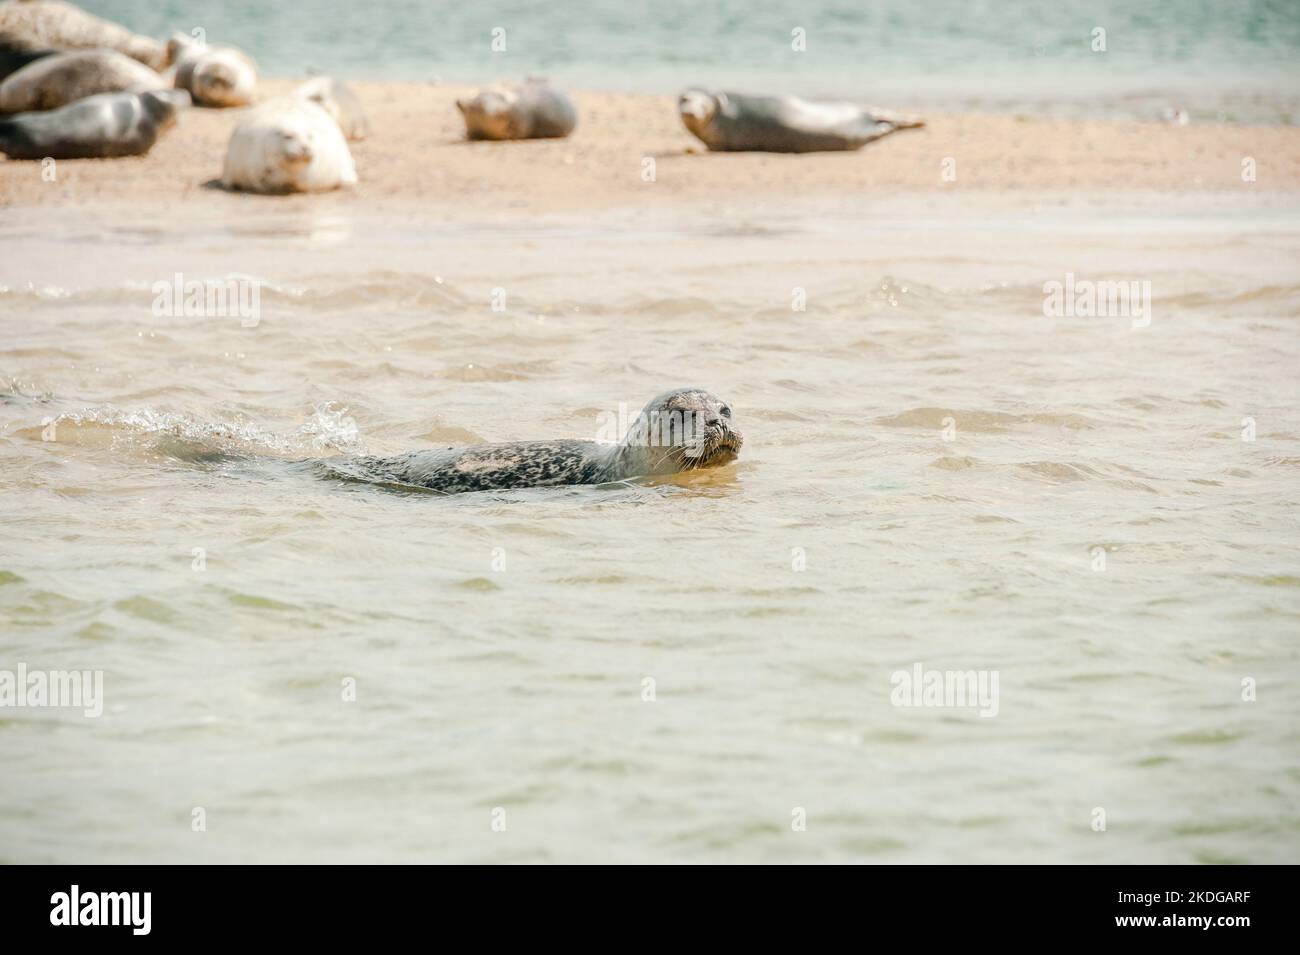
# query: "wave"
{"points": [[427, 294], [983, 422], [377, 288], [187, 437]]}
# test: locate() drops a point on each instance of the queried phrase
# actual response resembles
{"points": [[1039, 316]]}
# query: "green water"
{"points": [[1225, 60]]}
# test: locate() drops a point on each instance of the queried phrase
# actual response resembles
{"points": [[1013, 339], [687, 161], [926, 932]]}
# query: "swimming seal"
{"points": [[679, 430], [531, 111], [735, 122], [97, 127], [63, 78], [51, 25]]}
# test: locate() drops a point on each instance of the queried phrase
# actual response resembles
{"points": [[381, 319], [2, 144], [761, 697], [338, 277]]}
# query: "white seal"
{"points": [[289, 144]]}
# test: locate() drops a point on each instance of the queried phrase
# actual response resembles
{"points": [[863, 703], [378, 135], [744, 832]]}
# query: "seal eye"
{"points": [[726, 411]]}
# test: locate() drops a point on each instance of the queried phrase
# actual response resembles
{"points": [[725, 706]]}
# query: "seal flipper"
{"points": [[897, 120], [824, 125]]}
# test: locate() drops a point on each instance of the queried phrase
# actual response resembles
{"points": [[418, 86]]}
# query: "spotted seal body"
{"points": [[531, 111], [52, 25], [97, 127], [734, 122], [63, 78], [680, 430]]}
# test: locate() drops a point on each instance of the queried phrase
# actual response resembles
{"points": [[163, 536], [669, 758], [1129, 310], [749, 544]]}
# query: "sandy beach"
{"points": [[417, 153]]}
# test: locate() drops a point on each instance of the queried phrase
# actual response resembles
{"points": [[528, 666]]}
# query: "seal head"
{"points": [[491, 115], [679, 430], [697, 109]]}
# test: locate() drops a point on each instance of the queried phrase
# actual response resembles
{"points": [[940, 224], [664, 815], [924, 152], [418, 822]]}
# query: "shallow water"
{"points": [[1218, 61], [500, 642]]}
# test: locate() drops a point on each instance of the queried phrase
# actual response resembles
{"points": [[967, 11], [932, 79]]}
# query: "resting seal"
{"points": [[213, 75], [680, 430], [287, 145], [337, 99], [63, 78], [531, 111], [50, 25], [97, 127], [13, 59], [730, 122]]}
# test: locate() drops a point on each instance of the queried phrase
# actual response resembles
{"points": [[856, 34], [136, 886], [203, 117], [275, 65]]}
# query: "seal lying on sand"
{"points": [[531, 111], [728, 122], [337, 99], [213, 75], [289, 144], [13, 59], [63, 78], [50, 25], [679, 430], [97, 127]]}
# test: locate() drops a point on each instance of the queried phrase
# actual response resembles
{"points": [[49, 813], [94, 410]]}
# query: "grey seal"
{"points": [[63, 78], [735, 122], [534, 110], [51, 25], [97, 127], [679, 430], [14, 58]]}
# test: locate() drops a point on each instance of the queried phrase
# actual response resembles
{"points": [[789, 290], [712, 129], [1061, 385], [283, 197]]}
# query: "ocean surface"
{"points": [[1101, 510], [1232, 60]]}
